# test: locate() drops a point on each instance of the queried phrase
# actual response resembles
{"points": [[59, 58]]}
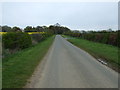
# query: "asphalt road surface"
{"points": [[67, 66]]}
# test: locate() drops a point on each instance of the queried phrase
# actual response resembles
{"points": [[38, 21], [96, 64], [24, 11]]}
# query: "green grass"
{"points": [[108, 53], [20, 66]]}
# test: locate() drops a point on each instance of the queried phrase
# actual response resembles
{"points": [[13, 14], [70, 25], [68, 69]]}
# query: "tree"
{"points": [[39, 29], [57, 24], [6, 29], [16, 29], [109, 30], [58, 29], [28, 29]]}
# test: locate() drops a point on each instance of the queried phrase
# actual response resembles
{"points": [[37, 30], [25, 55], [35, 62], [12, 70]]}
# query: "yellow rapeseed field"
{"points": [[36, 32], [1, 33]]}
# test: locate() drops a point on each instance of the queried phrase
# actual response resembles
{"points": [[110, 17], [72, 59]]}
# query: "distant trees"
{"points": [[105, 36], [57, 29], [28, 29], [16, 29], [17, 39], [9, 29], [39, 29], [6, 29], [36, 29]]}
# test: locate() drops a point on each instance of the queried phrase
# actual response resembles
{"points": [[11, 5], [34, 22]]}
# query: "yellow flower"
{"points": [[2, 33]]}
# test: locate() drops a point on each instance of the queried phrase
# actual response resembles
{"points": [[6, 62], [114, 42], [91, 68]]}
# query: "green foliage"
{"points": [[118, 38], [40, 37], [15, 40], [58, 29], [73, 33], [37, 37], [106, 37], [19, 67], [98, 50], [40, 29], [29, 29], [18, 40], [6, 29], [51, 29], [9, 29], [16, 29], [34, 29]]}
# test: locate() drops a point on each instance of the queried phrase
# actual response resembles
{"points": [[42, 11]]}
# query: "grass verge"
{"points": [[108, 53], [19, 67]]}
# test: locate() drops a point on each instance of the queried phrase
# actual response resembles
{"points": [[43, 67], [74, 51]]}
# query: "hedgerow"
{"points": [[111, 38], [16, 40]]}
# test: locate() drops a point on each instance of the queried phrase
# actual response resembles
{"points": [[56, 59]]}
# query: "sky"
{"points": [[75, 15]]}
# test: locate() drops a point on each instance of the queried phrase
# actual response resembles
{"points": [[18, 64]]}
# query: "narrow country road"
{"points": [[67, 66]]}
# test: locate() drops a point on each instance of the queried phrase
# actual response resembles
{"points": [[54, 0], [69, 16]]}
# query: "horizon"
{"points": [[22, 28]]}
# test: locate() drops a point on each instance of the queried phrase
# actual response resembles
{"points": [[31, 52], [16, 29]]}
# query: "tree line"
{"points": [[51, 29]]}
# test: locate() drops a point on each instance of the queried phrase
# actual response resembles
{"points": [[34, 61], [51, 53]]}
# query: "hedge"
{"points": [[16, 40], [111, 38]]}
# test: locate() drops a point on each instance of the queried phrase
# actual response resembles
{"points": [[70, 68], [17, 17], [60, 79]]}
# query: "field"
{"points": [[106, 52], [19, 67], [1, 33]]}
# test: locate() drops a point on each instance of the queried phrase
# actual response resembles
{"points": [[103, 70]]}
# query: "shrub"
{"points": [[16, 40], [37, 37], [113, 39]]}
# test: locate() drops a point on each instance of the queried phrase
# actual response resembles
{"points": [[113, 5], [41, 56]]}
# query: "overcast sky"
{"points": [[80, 15]]}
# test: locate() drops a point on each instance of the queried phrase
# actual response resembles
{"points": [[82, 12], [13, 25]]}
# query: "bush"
{"points": [[37, 37], [16, 40], [113, 39]]}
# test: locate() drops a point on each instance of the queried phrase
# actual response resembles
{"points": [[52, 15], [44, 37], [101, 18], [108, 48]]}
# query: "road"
{"points": [[67, 66]]}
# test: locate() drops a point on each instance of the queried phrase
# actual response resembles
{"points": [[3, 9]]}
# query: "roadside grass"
{"points": [[0, 62], [19, 67], [108, 53]]}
